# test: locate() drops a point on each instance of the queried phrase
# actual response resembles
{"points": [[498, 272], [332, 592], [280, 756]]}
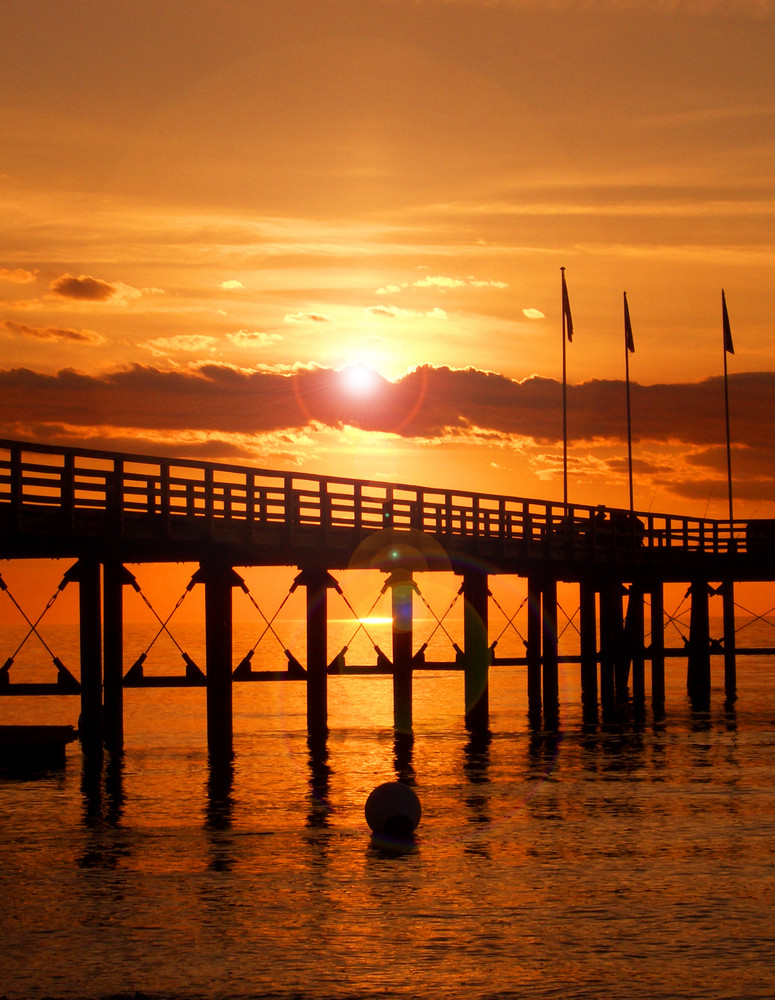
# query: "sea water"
{"points": [[629, 860]]}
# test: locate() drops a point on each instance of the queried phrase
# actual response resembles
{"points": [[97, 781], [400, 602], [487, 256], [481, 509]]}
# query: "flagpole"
{"points": [[628, 346], [564, 400], [728, 349]]}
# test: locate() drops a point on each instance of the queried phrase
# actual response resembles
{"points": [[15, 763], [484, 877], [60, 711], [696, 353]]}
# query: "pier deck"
{"points": [[107, 510]]}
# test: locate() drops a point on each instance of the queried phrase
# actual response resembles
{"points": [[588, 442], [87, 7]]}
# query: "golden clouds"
{"points": [[17, 275], [66, 334], [83, 288]]}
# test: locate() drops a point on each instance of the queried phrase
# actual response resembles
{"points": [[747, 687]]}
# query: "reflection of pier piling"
{"points": [[109, 511]]}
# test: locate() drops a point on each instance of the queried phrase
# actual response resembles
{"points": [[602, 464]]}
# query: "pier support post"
{"points": [[698, 668], [87, 573], [533, 647], [219, 578], [658, 649], [402, 588], [317, 581], [730, 662], [610, 640], [550, 652], [634, 635], [588, 648], [476, 649], [114, 577]]}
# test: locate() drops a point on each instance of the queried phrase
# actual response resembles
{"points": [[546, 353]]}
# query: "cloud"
{"points": [[52, 333], [188, 343], [388, 290], [252, 338], [533, 314], [678, 430], [306, 317], [394, 312], [83, 288], [17, 276], [231, 285], [480, 283], [438, 281]]}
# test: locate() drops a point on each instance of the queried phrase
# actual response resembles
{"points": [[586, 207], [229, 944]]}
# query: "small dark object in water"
{"points": [[393, 810], [34, 747]]}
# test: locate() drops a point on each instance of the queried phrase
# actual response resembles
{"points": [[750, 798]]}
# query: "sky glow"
{"points": [[327, 236]]}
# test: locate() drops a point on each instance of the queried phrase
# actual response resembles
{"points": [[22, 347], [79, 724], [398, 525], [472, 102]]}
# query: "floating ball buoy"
{"points": [[393, 810]]}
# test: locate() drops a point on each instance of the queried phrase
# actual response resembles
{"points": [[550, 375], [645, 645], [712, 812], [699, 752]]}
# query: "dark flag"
{"points": [[728, 345], [629, 342], [566, 308]]}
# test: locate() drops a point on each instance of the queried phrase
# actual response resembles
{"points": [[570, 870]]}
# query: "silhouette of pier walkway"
{"points": [[107, 510]]}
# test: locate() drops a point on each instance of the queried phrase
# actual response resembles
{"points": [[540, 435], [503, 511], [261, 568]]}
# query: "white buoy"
{"points": [[393, 810]]}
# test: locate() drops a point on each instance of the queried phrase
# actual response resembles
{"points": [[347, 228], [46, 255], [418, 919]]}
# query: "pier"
{"points": [[107, 511]]}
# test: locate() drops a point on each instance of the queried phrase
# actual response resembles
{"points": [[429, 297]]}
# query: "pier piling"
{"points": [[114, 577], [219, 579], [610, 641], [476, 648], [550, 658], [730, 666], [87, 573], [588, 647], [698, 666], [657, 648], [534, 646], [317, 582], [402, 588]]}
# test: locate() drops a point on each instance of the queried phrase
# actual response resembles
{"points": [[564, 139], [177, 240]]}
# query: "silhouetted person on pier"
{"points": [[627, 527]]}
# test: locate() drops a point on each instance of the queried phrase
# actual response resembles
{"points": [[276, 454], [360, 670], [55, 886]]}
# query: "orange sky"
{"points": [[211, 209]]}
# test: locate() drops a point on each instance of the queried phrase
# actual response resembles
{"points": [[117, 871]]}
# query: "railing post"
{"points": [[324, 507], [209, 498], [114, 500], [289, 508], [250, 499], [416, 511], [68, 490], [17, 484], [164, 496], [357, 506]]}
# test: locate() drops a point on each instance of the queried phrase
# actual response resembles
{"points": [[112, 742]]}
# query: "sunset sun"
{"points": [[360, 380]]}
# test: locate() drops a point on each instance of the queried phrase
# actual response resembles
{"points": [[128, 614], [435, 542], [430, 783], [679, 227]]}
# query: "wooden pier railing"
{"points": [[125, 490]]}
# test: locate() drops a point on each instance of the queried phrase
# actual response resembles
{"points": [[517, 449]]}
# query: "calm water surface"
{"points": [[630, 861]]}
